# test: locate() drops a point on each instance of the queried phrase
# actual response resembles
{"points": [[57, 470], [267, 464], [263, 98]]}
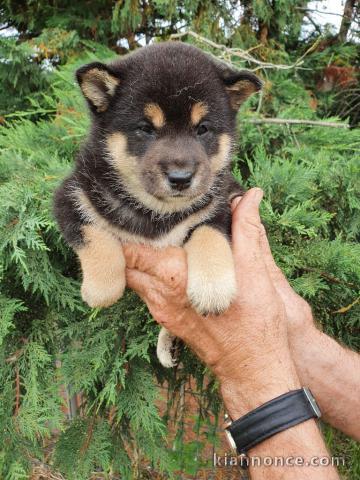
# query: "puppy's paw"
{"points": [[211, 283], [99, 292], [211, 289], [103, 267], [165, 350]]}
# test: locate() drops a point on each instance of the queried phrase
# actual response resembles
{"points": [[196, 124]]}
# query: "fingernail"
{"points": [[258, 194], [235, 202]]}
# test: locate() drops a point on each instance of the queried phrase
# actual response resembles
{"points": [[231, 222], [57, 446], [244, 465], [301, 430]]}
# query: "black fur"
{"points": [[174, 76]]}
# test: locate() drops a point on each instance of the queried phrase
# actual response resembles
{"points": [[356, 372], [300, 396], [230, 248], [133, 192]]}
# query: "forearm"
{"points": [[263, 382], [333, 374]]}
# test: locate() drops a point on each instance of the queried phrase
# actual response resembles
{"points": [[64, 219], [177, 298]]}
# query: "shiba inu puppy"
{"points": [[155, 169]]}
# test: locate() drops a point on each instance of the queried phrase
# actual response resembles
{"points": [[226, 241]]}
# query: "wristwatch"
{"points": [[272, 417]]}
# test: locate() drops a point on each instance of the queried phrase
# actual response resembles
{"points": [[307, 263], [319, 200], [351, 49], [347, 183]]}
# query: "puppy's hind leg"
{"points": [[165, 349]]}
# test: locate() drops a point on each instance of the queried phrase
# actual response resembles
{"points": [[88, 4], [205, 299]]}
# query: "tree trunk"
{"points": [[346, 20], [263, 33]]}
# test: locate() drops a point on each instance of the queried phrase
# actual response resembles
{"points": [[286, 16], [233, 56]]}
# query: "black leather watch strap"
{"points": [[273, 417]]}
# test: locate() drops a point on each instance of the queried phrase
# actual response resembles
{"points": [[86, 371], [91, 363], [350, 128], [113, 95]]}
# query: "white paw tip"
{"points": [[167, 360], [96, 296], [212, 297], [165, 349]]}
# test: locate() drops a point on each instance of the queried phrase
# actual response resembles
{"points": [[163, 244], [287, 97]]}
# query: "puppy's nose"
{"points": [[180, 179]]}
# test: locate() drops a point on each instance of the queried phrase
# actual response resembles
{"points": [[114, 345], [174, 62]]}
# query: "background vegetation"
{"points": [[53, 347]]}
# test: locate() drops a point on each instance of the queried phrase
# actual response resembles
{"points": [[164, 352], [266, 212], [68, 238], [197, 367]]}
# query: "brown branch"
{"points": [[318, 11], [346, 20], [41, 470], [243, 54], [15, 356], [111, 414], [89, 435], [329, 277], [17, 391], [294, 121], [123, 351], [263, 33], [348, 307], [5, 27], [314, 24]]}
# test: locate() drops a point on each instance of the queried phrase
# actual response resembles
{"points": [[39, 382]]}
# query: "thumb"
{"points": [[246, 219]]}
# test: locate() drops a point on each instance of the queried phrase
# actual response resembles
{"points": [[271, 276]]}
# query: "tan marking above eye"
{"points": [[198, 111], [154, 113]]}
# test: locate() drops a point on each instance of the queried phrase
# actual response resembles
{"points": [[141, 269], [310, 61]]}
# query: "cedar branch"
{"points": [[295, 121]]}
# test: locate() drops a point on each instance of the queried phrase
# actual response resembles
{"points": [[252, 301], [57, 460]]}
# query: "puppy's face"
{"points": [[166, 114]]}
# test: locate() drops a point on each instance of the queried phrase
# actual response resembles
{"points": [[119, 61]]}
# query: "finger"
{"points": [[156, 262], [246, 218], [273, 269], [251, 272], [235, 202], [246, 231], [138, 281], [277, 276]]}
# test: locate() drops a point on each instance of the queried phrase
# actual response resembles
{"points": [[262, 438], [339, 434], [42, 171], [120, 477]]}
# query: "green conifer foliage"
{"points": [[49, 339]]}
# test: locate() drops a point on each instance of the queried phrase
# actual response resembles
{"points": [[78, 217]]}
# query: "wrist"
{"points": [[254, 385], [301, 338], [240, 399]]}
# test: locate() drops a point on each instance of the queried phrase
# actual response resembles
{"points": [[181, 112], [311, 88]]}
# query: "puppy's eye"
{"points": [[202, 129], [146, 128]]}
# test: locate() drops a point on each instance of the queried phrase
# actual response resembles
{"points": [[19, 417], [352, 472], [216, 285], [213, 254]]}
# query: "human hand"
{"points": [[248, 340], [298, 312], [247, 346]]}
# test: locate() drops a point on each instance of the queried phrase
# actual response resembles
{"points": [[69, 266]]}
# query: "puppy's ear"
{"points": [[98, 83], [239, 84]]}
